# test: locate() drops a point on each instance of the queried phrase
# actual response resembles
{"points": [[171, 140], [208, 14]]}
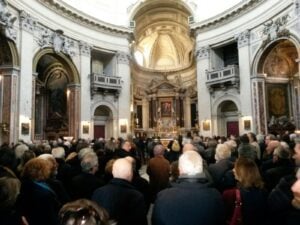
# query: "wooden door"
{"points": [[99, 131], [233, 128]]}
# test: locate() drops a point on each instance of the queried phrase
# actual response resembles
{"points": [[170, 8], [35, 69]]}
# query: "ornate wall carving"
{"points": [[7, 21], [203, 53]]}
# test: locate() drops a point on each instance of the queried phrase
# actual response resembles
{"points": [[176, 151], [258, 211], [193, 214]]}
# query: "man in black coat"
{"points": [[123, 202], [85, 183], [190, 201]]}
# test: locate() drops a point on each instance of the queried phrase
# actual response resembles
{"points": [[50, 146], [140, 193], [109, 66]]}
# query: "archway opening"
{"points": [[279, 66], [103, 122], [53, 114], [228, 118]]}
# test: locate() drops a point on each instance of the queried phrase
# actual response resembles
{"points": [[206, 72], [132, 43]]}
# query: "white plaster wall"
{"points": [[71, 28], [204, 104], [249, 20], [85, 81], [26, 75], [123, 71]]}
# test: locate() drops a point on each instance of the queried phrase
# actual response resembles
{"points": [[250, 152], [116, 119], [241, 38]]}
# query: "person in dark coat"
{"points": [[9, 190], [293, 216], [127, 150], [282, 166], [221, 170], [85, 183], [280, 198], [37, 202], [158, 170], [122, 201], [190, 201], [253, 194]]}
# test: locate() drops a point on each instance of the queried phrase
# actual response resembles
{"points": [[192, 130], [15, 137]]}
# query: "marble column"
{"points": [[187, 112], [9, 82], [73, 99], [145, 105], [259, 105]]}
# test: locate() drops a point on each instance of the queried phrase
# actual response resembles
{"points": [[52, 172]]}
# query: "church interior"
{"points": [[160, 68]]}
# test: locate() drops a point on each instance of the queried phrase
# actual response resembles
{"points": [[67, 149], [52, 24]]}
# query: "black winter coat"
{"points": [[190, 201], [123, 202]]}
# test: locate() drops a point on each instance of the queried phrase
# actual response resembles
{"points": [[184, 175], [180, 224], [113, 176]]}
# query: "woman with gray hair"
{"points": [[221, 170], [84, 184]]}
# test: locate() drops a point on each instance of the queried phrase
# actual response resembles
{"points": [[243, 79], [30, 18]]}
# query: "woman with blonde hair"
{"points": [[250, 189]]}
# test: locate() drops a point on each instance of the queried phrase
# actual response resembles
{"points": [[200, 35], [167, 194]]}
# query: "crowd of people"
{"points": [[192, 181]]}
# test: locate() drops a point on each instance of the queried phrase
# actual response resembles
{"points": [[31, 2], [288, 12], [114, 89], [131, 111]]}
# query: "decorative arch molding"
{"points": [[14, 53], [107, 104], [9, 45], [228, 97], [65, 60], [264, 50]]}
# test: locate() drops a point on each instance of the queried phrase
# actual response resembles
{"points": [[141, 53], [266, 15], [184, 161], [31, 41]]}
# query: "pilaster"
{"points": [[245, 77], [204, 98], [26, 55], [85, 70], [123, 71]]}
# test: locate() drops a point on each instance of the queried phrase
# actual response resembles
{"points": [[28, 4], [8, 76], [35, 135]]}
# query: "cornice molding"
{"points": [[83, 19], [226, 17]]}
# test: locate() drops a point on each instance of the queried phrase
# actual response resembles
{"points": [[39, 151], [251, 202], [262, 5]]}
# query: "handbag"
{"points": [[237, 213]]}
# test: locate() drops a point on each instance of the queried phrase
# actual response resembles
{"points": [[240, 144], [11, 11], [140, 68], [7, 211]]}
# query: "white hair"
{"points": [[222, 152], [89, 161], [83, 152], [190, 163], [58, 152], [20, 149]]}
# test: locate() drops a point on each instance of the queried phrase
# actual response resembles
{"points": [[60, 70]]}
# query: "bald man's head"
{"points": [[189, 147], [122, 168]]}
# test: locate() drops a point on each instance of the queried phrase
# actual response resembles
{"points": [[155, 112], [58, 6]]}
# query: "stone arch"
{"points": [[263, 51], [107, 104], [280, 88], [57, 95], [104, 120], [9, 47], [226, 113], [228, 97], [66, 60]]}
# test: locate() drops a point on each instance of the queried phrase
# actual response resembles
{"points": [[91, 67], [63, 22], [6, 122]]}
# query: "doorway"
{"points": [[233, 128], [99, 131]]}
